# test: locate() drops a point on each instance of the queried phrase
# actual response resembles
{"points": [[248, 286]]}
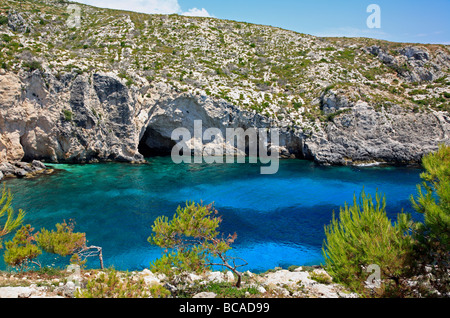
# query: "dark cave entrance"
{"points": [[153, 144]]}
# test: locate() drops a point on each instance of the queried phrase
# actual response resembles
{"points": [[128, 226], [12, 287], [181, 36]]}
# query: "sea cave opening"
{"points": [[153, 144]]}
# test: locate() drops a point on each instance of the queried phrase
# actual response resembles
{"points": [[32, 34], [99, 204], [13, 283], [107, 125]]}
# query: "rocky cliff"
{"points": [[93, 118], [116, 87]]}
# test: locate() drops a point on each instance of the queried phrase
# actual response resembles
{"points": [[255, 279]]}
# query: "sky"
{"points": [[411, 21]]}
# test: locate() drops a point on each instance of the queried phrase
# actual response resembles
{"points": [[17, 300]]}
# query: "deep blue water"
{"points": [[279, 219]]}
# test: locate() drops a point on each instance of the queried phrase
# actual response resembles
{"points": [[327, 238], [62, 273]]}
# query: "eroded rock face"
{"points": [[173, 111], [76, 120], [413, 63], [364, 135], [89, 118], [93, 118]]}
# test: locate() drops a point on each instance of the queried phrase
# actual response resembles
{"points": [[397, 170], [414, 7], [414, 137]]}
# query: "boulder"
{"points": [[38, 165], [216, 277], [16, 22], [16, 292], [205, 295], [229, 277], [24, 166], [20, 173], [150, 278], [285, 277], [416, 53]]}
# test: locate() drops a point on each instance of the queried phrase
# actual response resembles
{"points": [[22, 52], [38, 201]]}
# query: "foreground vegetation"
{"points": [[412, 257], [110, 283]]}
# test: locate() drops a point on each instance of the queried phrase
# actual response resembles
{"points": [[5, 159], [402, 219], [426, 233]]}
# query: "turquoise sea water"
{"points": [[279, 219]]}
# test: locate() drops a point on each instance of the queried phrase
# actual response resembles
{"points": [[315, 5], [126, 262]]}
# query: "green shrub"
{"points": [[25, 246], [293, 268], [418, 92], [9, 221], [321, 278], [228, 290], [194, 242], [441, 80], [329, 88], [32, 66], [347, 55], [6, 38], [67, 115], [362, 236], [3, 20], [21, 251], [433, 235], [297, 105], [63, 241], [112, 285], [369, 76]]}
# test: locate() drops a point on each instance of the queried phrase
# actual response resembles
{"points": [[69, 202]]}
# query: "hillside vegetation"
{"points": [[275, 72]]}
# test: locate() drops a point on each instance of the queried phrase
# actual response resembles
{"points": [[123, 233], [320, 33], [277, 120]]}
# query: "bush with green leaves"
{"points": [[193, 242], [3, 20], [68, 115], [64, 241], [228, 290], [114, 285], [9, 221], [25, 246], [21, 251], [321, 278], [32, 66], [433, 235], [414, 257], [362, 236]]}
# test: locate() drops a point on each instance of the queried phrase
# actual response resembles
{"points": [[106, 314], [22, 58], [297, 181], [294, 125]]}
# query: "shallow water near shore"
{"points": [[279, 219]]}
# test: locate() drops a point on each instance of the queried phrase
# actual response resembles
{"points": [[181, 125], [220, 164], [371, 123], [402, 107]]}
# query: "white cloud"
{"points": [[147, 6], [194, 12]]}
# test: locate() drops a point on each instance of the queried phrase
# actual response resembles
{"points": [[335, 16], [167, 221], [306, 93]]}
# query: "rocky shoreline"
{"points": [[295, 283], [21, 169]]}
